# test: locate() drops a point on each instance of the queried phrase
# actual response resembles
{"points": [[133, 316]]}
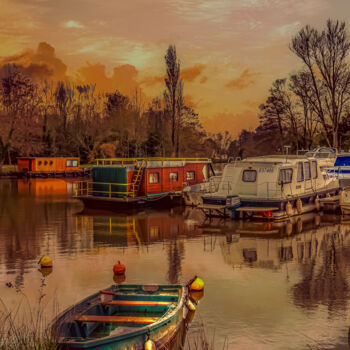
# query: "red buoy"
{"points": [[119, 269]]}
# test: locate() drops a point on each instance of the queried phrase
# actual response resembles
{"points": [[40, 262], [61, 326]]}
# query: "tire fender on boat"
{"points": [[299, 206], [317, 203], [289, 209]]}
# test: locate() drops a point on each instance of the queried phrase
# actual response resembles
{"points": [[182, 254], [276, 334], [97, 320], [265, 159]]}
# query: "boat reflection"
{"points": [[45, 187]]}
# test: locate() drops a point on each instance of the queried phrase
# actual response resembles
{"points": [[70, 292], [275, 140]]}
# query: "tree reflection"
{"points": [[324, 276]]}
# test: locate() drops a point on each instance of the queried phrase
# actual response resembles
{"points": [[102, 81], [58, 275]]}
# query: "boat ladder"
{"points": [[136, 180]]}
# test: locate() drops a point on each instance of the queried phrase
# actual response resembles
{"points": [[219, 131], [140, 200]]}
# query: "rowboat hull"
{"points": [[73, 334]]}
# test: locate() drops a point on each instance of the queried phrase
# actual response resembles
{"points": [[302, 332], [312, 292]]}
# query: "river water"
{"points": [[267, 286]]}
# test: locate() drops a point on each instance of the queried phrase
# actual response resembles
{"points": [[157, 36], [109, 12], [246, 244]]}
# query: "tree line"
{"points": [[311, 107], [63, 119]]}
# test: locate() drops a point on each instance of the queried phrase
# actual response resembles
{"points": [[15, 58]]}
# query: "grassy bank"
{"points": [[6, 169]]}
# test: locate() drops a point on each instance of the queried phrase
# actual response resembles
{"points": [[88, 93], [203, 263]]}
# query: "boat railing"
{"points": [[90, 188], [129, 161]]}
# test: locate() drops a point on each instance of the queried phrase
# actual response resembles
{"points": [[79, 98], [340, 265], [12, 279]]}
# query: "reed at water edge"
{"points": [[26, 327]]}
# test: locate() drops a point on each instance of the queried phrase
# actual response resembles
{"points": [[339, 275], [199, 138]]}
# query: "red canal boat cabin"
{"points": [[48, 164]]}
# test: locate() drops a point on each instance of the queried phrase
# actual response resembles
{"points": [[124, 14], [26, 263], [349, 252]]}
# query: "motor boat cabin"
{"points": [[272, 187]]}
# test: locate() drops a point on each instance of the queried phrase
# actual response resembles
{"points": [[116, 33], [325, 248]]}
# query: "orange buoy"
{"points": [[119, 269]]}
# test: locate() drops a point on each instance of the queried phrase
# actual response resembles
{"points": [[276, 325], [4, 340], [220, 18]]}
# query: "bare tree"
{"points": [[323, 54], [172, 82]]}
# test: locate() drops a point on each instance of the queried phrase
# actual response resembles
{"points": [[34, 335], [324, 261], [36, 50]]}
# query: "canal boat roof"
{"points": [[273, 159], [151, 162], [48, 157]]}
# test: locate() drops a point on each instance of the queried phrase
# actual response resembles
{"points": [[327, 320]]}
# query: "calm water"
{"points": [[267, 286]]}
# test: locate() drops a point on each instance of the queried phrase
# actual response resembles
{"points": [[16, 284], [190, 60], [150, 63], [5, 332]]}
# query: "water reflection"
{"points": [[268, 285]]}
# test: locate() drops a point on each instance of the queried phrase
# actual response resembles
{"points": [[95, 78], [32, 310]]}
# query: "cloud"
{"points": [[191, 73], [73, 24], [39, 64], [187, 74], [246, 79], [123, 79]]}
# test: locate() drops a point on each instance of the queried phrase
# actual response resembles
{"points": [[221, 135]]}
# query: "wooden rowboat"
{"points": [[123, 317]]}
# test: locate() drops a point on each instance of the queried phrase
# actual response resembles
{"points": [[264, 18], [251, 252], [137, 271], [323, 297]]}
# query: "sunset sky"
{"points": [[230, 50]]}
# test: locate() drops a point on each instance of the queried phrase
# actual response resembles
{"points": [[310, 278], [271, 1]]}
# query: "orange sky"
{"points": [[230, 50]]}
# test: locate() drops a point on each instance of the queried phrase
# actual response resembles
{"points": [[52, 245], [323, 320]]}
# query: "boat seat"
{"points": [[135, 303], [117, 319]]}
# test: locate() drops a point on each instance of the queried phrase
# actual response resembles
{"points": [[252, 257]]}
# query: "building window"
{"points": [[190, 175], [314, 169], [300, 175], [153, 178], [173, 177], [75, 163], [285, 176], [249, 176], [307, 171]]}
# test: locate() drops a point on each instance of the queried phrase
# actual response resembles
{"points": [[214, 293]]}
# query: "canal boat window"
{"points": [[307, 171], [249, 175], [300, 174], [39, 162], [190, 175], [68, 162], [314, 169], [173, 177], [75, 163], [285, 176], [153, 178], [45, 162], [51, 162]]}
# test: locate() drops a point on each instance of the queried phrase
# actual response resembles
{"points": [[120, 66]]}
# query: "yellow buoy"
{"points": [[191, 306], [45, 261], [149, 345], [197, 284]]}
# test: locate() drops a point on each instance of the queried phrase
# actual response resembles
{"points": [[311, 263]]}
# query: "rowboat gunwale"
{"points": [[94, 299]]}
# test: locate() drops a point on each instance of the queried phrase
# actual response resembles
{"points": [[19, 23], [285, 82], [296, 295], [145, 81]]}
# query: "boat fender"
{"points": [[119, 269], [197, 284], [150, 345], [317, 203], [191, 306], [289, 209], [342, 197], [45, 261], [299, 206]]}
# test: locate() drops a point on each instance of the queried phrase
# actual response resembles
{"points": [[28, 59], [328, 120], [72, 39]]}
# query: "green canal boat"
{"points": [[124, 317]]}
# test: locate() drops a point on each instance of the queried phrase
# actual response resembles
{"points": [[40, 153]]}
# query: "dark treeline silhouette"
{"points": [[61, 119], [311, 107]]}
